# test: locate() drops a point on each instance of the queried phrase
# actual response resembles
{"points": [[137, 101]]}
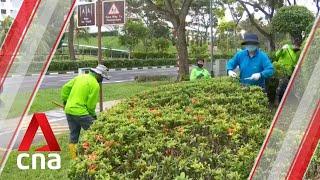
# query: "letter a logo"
{"points": [[39, 119]]}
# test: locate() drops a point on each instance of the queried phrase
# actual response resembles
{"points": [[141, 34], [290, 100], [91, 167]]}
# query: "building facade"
{"points": [[9, 8]]}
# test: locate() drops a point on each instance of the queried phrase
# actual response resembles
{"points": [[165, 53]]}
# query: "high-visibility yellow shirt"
{"points": [[199, 73], [81, 95]]}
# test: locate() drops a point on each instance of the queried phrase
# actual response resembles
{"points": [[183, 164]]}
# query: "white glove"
{"points": [[232, 74], [285, 46], [256, 76]]}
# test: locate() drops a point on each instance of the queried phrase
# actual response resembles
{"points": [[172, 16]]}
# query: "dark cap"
{"points": [[250, 38]]}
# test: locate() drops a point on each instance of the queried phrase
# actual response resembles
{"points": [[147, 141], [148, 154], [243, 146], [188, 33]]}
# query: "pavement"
{"points": [[57, 120]]}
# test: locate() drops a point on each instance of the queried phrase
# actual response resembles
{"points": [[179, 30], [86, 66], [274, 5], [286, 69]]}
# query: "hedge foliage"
{"points": [[145, 55], [211, 129]]}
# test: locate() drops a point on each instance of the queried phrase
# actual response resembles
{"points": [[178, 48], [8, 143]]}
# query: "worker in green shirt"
{"points": [[80, 97], [287, 57], [199, 72]]}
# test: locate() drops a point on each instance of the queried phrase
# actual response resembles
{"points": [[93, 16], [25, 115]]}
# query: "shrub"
{"points": [[150, 55], [148, 78], [211, 129]]}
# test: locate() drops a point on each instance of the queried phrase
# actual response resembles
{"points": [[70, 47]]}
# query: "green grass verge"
{"points": [[111, 92], [107, 41], [12, 172]]}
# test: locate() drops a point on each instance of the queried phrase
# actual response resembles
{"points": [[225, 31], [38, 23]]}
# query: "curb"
{"points": [[110, 70]]}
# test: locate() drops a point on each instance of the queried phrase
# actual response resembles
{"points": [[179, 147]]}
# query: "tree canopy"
{"points": [[293, 20]]}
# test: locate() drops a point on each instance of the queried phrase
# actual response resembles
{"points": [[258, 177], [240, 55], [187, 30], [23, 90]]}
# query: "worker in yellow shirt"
{"points": [[199, 72], [80, 97]]}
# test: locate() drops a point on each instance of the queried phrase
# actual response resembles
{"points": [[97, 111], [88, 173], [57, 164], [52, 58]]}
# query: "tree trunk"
{"points": [[318, 7], [272, 44], [182, 50], [72, 54]]}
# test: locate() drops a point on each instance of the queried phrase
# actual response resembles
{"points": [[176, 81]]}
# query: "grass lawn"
{"points": [[107, 41], [111, 92], [11, 171], [45, 97]]}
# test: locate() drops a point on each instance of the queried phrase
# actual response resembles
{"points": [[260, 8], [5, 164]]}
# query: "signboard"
{"points": [[114, 12], [86, 15]]}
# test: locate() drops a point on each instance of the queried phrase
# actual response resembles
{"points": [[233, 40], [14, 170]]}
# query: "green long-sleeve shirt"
{"points": [[81, 95], [199, 73], [287, 58]]}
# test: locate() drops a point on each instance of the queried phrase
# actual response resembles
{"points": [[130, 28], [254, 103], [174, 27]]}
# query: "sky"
{"points": [[308, 3]]}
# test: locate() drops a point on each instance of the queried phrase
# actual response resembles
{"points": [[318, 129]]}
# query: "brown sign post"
{"points": [[109, 12], [114, 12], [86, 15]]}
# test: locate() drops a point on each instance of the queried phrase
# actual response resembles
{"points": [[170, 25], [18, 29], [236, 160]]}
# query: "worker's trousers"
{"points": [[76, 123]]}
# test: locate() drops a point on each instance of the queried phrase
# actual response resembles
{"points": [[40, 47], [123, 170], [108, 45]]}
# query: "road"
{"points": [[56, 81]]}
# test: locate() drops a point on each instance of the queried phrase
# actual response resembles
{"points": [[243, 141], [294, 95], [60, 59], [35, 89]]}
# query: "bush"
{"points": [[211, 129], [144, 55], [148, 78]]}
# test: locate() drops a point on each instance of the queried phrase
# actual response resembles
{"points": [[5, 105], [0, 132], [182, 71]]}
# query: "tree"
{"points": [[133, 33], [237, 12], [293, 20], [72, 53], [267, 8], [175, 11], [200, 14], [294, 2], [82, 33], [318, 6], [4, 27], [226, 36], [162, 44]]}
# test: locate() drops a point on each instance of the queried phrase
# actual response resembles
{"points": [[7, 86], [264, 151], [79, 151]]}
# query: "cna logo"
{"points": [[51, 160]]}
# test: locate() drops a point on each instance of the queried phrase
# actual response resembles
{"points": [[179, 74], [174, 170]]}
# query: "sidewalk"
{"points": [[57, 120]]}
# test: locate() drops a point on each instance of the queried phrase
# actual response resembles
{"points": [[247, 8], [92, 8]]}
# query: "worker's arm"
{"points": [[93, 100], [193, 75], [233, 63], [66, 89], [206, 73], [268, 69]]}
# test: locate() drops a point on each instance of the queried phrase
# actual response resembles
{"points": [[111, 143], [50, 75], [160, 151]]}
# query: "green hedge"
{"points": [[211, 129], [145, 55]]}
